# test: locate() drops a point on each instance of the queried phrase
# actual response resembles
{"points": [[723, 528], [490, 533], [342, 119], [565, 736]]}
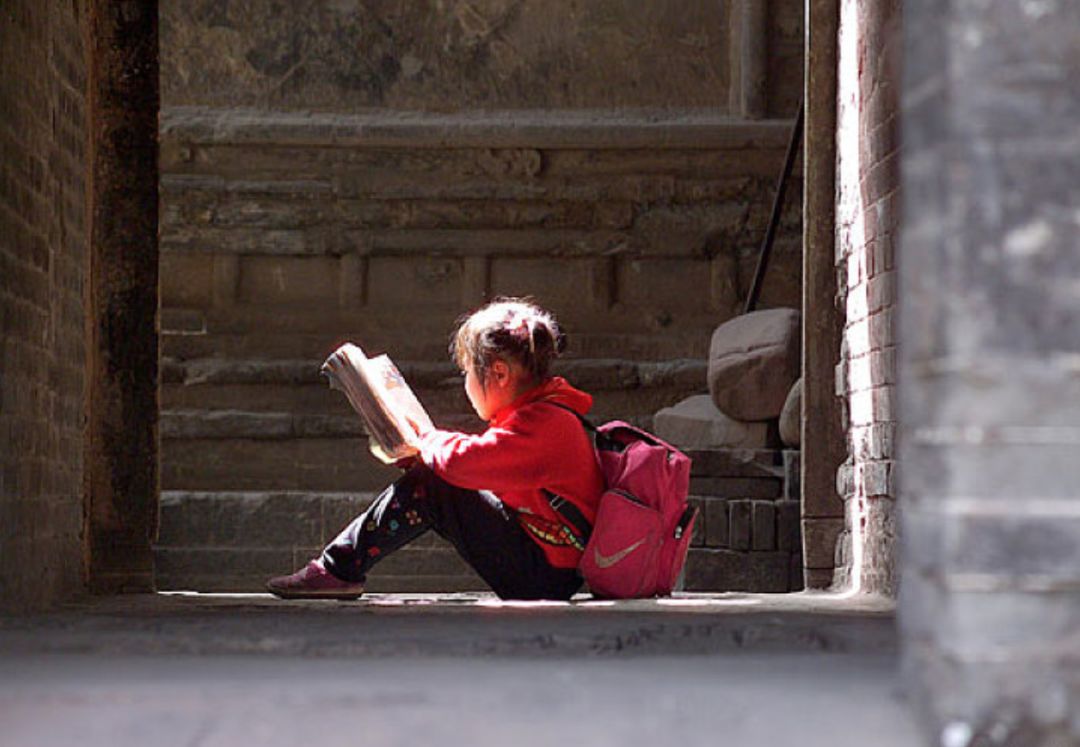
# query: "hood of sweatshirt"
{"points": [[556, 389]]}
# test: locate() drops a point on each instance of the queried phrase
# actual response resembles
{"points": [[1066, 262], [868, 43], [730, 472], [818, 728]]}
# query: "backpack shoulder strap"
{"points": [[570, 513], [581, 418], [601, 441]]}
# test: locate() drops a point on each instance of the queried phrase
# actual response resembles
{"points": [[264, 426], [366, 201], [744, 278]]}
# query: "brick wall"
{"points": [[43, 252], [747, 535], [867, 215]]}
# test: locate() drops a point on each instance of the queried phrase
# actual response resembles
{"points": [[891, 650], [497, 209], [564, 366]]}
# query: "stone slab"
{"points": [[453, 625], [728, 570], [754, 359], [791, 416], [577, 129], [246, 569], [695, 423], [736, 463], [308, 464], [736, 487]]}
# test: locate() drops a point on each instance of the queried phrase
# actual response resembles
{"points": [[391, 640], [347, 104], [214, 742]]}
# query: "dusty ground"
{"points": [[229, 670]]}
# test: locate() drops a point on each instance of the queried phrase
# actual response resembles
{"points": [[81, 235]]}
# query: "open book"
{"points": [[378, 392]]}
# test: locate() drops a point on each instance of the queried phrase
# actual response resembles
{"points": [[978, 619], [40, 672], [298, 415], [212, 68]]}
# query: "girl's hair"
{"points": [[511, 329]]}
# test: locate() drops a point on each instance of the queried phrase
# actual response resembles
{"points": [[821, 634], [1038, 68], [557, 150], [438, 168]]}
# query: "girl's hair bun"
{"points": [[511, 329]]}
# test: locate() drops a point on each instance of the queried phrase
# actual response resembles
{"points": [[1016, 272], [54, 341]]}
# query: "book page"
{"points": [[379, 394], [396, 393]]}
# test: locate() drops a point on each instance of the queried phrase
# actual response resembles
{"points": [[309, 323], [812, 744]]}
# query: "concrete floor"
{"points": [[464, 669]]}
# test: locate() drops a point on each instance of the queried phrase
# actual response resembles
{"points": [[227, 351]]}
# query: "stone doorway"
{"points": [[311, 196]]}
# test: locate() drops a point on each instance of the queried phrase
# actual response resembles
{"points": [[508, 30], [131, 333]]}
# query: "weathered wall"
{"points": [[463, 56], [990, 600], [281, 226], [283, 232], [43, 255], [438, 56], [867, 217]]}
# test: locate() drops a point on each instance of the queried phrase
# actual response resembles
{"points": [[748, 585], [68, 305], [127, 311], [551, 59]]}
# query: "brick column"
{"points": [[867, 216], [990, 337], [121, 472]]}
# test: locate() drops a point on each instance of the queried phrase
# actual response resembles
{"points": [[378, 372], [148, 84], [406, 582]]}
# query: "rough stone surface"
{"points": [[736, 463], [695, 423], [764, 526], [510, 54], [730, 570], [337, 230], [717, 532], [990, 330], [753, 361], [740, 518], [791, 416], [43, 261], [225, 669], [222, 541]]}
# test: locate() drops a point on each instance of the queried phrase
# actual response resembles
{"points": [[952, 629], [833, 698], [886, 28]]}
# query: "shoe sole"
{"points": [[341, 596]]}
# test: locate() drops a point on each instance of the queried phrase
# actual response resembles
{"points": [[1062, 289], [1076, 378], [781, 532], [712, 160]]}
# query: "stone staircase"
{"points": [[262, 464]]}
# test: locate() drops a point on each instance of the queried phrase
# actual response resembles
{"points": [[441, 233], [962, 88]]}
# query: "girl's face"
{"points": [[501, 387]]}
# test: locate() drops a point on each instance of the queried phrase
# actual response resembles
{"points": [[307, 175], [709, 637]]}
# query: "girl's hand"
{"points": [[406, 463]]}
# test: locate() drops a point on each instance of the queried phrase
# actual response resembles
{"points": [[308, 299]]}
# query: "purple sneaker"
{"points": [[313, 582]]}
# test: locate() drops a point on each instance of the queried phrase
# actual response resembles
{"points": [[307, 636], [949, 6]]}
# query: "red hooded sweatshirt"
{"points": [[529, 446]]}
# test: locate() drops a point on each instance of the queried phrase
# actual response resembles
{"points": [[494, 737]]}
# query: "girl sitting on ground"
{"points": [[488, 493]]}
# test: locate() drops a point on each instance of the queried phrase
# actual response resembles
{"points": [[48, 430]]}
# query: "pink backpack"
{"points": [[638, 544]]}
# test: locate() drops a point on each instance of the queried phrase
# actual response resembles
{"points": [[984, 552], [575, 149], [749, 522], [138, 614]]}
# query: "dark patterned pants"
{"points": [[484, 531]]}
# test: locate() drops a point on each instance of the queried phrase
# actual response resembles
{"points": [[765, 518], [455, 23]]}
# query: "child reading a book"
{"points": [[488, 494]]}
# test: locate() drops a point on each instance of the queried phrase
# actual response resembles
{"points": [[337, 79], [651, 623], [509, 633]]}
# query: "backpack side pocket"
{"points": [[620, 559]]}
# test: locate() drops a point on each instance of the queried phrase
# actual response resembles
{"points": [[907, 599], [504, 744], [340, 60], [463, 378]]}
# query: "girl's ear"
{"points": [[499, 371]]}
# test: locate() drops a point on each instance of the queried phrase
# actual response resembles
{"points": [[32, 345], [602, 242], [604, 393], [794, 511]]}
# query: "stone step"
{"points": [[235, 462], [234, 450], [246, 570], [622, 389], [191, 336], [259, 424], [746, 538], [235, 540]]}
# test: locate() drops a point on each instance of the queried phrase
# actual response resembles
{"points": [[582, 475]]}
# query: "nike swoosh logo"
{"points": [[606, 561]]}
